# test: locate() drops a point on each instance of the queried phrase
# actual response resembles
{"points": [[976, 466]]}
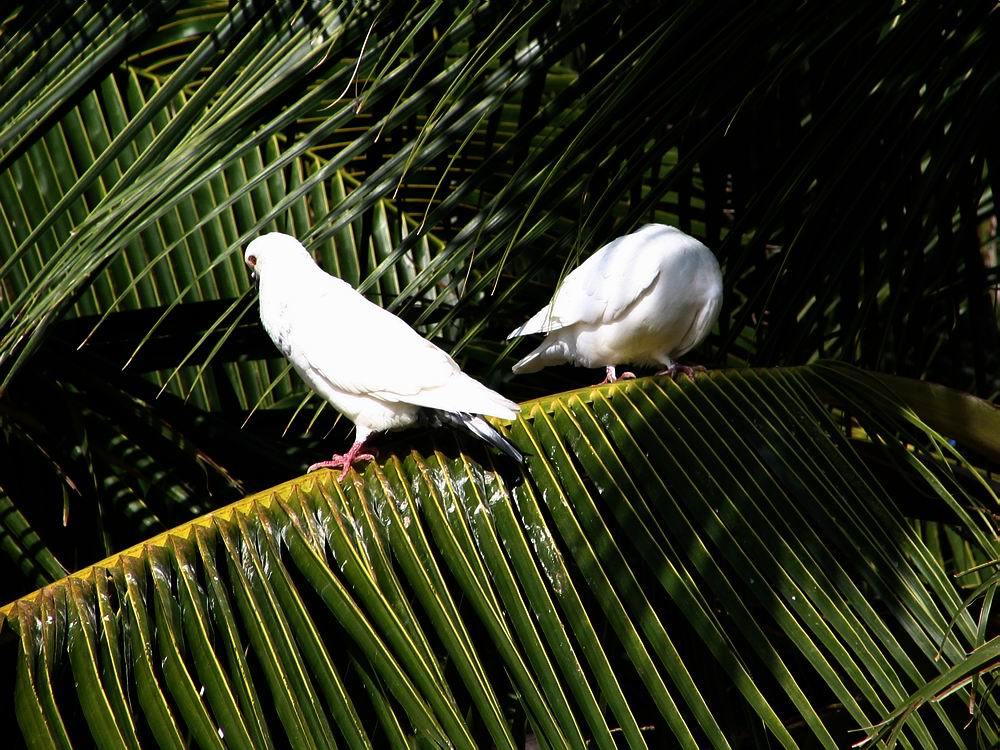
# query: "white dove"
{"points": [[645, 298], [369, 364]]}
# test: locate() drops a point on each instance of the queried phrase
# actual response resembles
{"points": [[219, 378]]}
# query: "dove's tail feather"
{"points": [[540, 322], [480, 428], [548, 353], [460, 393], [532, 363]]}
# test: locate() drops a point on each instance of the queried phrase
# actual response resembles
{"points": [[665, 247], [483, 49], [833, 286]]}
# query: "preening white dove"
{"points": [[368, 363], [643, 299]]}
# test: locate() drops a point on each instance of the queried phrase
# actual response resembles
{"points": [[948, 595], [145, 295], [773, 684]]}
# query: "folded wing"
{"points": [[377, 354], [604, 286]]}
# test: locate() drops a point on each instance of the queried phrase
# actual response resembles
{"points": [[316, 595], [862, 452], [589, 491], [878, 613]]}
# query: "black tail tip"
{"points": [[498, 441], [507, 448], [480, 428]]}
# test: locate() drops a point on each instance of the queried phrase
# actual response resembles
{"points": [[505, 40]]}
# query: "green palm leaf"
{"points": [[663, 537]]}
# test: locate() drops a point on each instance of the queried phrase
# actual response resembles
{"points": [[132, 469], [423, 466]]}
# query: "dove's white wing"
{"points": [[361, 349], [605, 285]]}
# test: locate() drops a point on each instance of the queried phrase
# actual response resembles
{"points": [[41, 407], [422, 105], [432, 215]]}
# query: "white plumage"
{"points": [[645, 299], [368, 363]]}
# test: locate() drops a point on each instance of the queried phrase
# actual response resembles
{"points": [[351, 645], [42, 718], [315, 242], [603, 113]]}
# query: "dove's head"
{"points": [[276, 251]]}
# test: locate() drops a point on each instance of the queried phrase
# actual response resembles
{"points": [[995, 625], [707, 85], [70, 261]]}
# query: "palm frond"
{"points": [[663, 537]]}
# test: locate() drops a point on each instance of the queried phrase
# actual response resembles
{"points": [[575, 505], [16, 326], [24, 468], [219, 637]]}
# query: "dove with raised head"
{"points": [[644, 299], [368, 363]]}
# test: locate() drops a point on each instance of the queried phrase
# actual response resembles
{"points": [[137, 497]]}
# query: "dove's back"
{"points": [[643, 298]]}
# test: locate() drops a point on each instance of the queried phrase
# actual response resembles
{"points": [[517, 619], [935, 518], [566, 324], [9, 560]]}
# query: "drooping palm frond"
{"points": [[693, 564], [475, 117]]}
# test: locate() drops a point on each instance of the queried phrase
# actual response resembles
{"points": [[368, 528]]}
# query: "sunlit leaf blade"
{"points": [[38, 717], [158, 714], [83, 654]]}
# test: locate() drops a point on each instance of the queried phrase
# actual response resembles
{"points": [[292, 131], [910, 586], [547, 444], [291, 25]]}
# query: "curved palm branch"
{"points": [[678, 562]]}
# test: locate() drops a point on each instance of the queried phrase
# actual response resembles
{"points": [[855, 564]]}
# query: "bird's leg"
{"points": [[346, 460], [610, 377], [676, 369]]}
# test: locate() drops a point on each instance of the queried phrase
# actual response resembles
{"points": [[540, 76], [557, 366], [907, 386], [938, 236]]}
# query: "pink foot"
{"points": [[677, 369], [610, 377], [345, 461]]}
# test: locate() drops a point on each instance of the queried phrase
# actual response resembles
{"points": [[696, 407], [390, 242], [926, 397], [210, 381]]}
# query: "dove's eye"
{"points": [[251, 260]]}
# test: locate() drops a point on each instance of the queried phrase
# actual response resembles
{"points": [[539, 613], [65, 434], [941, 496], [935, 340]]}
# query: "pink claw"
{"points": [[610, 377], [677, 369], [344, 461]]}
